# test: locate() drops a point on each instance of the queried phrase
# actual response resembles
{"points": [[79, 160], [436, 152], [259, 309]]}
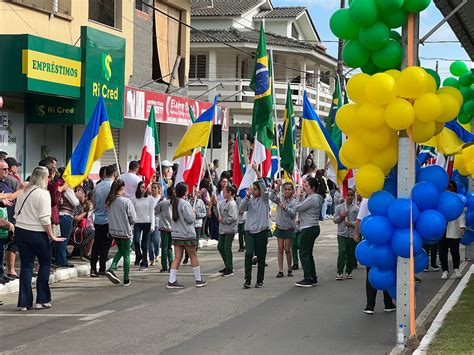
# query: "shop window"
{"points": [[198, 66], [106, 12], [59, 7]]}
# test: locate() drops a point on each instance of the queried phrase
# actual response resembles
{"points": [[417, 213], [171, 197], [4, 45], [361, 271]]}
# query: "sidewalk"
{"points": [[81, 268]]}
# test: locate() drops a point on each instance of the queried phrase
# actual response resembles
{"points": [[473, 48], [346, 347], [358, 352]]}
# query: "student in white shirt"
{"points": [[131, 179]]}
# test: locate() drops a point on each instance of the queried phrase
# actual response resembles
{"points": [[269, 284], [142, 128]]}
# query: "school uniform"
{"points": [[345, 237], [227, 228]]}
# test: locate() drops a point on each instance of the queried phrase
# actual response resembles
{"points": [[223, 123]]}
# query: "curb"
{"points": [[447, 307]]}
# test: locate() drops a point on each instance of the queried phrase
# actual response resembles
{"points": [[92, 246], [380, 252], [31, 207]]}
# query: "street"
{"points": [[94, 316]]}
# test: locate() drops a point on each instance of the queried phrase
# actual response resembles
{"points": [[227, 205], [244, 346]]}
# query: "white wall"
{"points": [[278, 27]]}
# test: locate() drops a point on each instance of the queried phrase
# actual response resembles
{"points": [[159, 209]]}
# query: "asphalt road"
{"points": [[94, 316]]}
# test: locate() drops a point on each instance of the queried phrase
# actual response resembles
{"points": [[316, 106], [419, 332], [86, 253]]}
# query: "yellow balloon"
{"points": [[412, 82], [439, 126], [460, 164], [346, 119], [394, 73], [369, 179], [381, 89], [387, 158], [428, 107], [470, 167], [399, 114], [468, 153], [450, 106], [421, 131], [356, 87], [431, 84], [370, 116], [377, 138], [354, 153], [453, 92]]}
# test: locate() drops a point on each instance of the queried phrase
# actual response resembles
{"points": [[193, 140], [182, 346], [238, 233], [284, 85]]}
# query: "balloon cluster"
{"points": [[469, 232], [463, 80], [464, 162], [386, 230], [384, 104], [367, 27]]}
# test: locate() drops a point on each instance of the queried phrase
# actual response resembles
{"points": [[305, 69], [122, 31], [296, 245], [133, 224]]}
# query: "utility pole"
{"points": [[406, 179]]}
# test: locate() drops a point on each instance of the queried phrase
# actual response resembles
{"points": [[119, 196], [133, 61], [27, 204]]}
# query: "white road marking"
{"points": [[42, 313]]}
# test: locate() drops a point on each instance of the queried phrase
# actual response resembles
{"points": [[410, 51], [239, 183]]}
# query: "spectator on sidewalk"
{"points": [[13, 177], [285, 224], [83, 235], [257, 227], [163, 210], [309, 210], [6, 234], [154, 243], [144, 224], [102, 242], [184, 236], [121, 217], [33, 227], [371, 292], [345, 216], [450, 241], [131, 179], [228, 218]]}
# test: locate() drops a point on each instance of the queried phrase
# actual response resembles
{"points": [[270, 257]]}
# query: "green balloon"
{"points": [[464, 118], [435, 75], [389, 57], [394, 19], [451, 82], [370, 68], [342, 25], [389, 5], [416, 5], [363, 12], [458, 68], [396, 36], [374, 36], [467, 93], [354, 54], [468, 107], [466, 79]]}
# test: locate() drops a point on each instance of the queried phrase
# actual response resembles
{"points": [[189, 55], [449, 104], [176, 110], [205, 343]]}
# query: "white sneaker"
{"points": [[457, 274], [444, 276]]}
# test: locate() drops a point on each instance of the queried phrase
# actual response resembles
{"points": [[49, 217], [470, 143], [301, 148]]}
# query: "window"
{"points": [[57, 7], [106, 12], [198, 66], [294, 32], [141, 5]]}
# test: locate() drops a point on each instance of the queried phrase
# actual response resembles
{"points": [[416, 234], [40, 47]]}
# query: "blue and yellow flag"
{"points": [[96, 139], [315, 135], [198, 135], [261, 83], [451, 139]]}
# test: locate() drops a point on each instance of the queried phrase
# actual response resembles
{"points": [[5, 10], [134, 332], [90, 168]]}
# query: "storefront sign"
{"points": [[168, 108], [43, 109], [35, 64], [103, 56]]}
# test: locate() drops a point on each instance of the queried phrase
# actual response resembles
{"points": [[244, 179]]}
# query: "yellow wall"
{"points": [[15, 19]]}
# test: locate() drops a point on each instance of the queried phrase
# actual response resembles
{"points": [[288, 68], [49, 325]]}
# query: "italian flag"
{"points": [[151, 148]]}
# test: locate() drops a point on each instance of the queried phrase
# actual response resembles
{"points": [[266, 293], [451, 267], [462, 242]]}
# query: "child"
{"points": [[285, 225], [201, 213], [122, 217], [163, 211], [241, 225], [345, 217], [228, 217]]}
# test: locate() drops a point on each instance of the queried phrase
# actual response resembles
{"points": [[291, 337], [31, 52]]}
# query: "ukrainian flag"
{"points": [[451, 139], [198, 135], [314, 135], [96, 139]]}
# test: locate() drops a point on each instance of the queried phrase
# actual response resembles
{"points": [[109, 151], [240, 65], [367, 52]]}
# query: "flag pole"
{"points": [[161, 171], [117, 162], [275, 116]]}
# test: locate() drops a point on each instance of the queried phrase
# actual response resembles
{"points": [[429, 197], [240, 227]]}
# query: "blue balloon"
{"points": [[379, 203], [392, 291], [421, 261], [383, 256], [469, 194], [401, 242], [470, 218], [435, 174], [431, 225], [377, 229], [426, 195], [468, 237], [364, 254], [382, 279], [469, 203], [399, 212], [450, 205], [464, 200]]}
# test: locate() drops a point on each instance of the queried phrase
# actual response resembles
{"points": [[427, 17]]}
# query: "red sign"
{"points": [[168, 108]]}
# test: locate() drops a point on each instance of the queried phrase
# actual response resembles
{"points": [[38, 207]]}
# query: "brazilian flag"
{"points": [[287, 143], [336, 104], [261, 83]]}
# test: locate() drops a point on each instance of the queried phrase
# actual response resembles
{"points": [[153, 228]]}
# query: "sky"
{"points": [[321, 11]]}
